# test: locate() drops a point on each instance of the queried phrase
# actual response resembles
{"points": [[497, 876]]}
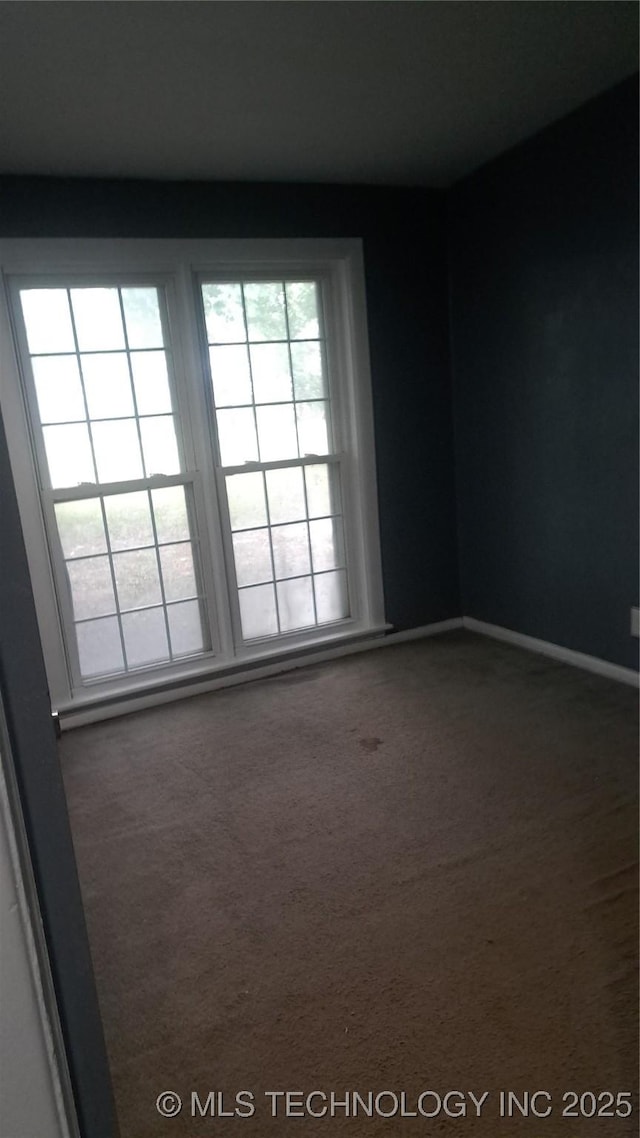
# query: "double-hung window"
{"points": [[191, 433], [116, 488]]}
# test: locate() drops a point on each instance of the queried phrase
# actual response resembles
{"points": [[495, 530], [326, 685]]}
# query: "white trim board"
{"points": [[38, 1067], [555, 651], [80, 717]]}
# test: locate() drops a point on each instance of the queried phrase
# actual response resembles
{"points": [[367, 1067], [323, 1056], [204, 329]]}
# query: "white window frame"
{"points": [[179, 265]]}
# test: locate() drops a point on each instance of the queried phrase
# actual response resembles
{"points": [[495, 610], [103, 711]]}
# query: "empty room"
{"points": [[319, 588]]}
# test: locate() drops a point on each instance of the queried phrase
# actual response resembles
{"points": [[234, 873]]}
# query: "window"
{"points": [[115, 489], [198, 425], [267, 353]]}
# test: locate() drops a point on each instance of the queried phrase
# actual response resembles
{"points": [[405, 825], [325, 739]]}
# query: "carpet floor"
{"points": [[412, 869]]}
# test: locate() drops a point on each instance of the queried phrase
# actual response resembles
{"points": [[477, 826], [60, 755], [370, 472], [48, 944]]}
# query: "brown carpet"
{"points": [[411, 869]]}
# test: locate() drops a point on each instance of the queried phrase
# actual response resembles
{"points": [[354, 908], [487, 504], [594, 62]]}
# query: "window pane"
{"points": [[312, 428], [245, 494], [91, 587], [327, 547], [142, 317], [58, 387], [258, 612], [170, 512], [185, 628], [99, 648], [159, 445], [96, 312], [81, 527], [137, 578], [290, 550], [271, 373], [145, 637], [332, 600], [107, 385], [265, 311], [252, 554], [129, 520], [302, 310], [117, 450], [295, 604], [237, 437], [178, 574], [151, 383], [47, 320], [277, 433], [223, 313], [69, 455], [286, 495], [308, 379], [322, 496], [230, 375]]}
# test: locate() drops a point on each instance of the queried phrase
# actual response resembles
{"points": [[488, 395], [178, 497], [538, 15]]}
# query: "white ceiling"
{"points": [[369, 91]]}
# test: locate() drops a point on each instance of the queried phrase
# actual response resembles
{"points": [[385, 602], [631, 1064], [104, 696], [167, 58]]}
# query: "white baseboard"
{"points": [[420, 633], [555, 651], [80, 717]]}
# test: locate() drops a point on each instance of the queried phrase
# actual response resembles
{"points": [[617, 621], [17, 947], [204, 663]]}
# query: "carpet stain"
{"points": [[370, 744]]}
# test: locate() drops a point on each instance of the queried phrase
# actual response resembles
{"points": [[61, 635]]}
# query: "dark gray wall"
{"points": [[23, 687], [405, 261], [544, 309]]}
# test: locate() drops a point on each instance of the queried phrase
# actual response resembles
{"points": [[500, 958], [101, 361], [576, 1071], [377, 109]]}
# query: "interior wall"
{"points": [[32, 749], [544, 309], [543, 312], [404, 240]]}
